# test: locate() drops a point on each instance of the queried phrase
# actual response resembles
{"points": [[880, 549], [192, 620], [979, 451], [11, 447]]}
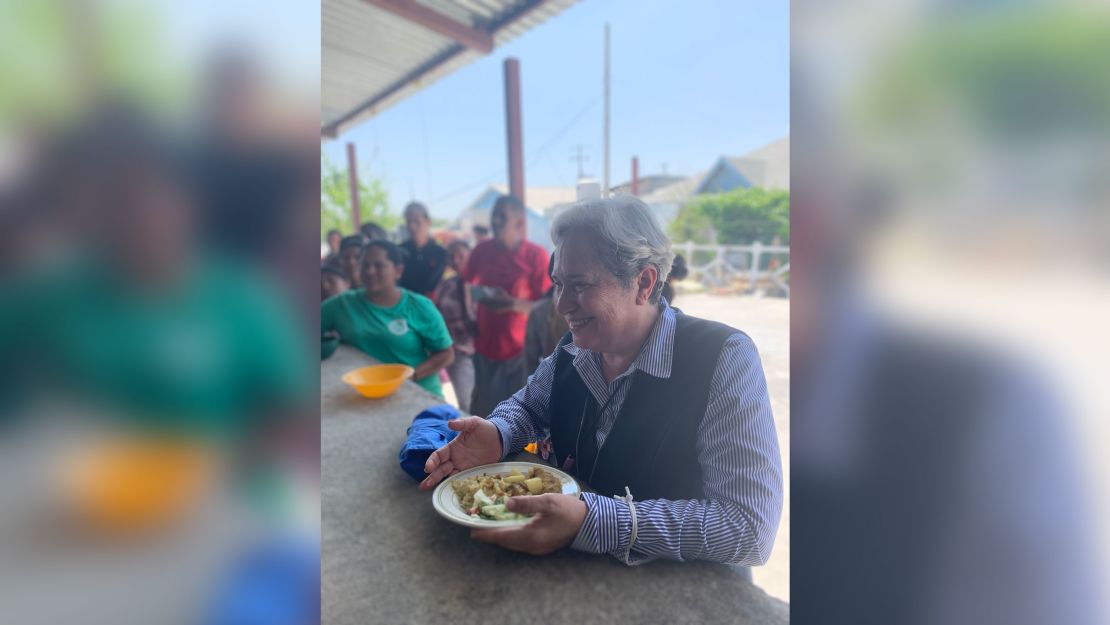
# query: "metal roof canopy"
{"points": [[378, 52]]}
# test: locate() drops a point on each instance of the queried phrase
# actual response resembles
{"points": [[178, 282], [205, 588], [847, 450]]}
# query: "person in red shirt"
{"points": [[512, 274]]}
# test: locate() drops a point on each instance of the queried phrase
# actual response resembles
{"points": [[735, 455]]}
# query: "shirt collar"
{"points": [[656, 354]]}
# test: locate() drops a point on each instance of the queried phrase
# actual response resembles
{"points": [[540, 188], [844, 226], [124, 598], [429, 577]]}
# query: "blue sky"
{"points": [[691, 81], [285, 34]]}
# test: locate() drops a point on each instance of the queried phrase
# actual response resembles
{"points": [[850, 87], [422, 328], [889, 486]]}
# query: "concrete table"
{"points": [[387, 557]]}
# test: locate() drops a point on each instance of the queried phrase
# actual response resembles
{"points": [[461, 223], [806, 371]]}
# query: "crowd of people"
{"points": [[553, 349], [456, 313], [481, 316]]}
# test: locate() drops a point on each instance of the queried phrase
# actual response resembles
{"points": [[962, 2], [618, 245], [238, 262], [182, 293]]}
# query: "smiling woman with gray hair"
{"points": [[665, 411]]}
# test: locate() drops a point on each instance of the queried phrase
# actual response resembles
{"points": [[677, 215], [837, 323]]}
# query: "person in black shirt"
{"points": [[426, 259], [350, 255], [335, 237], [373, 232], [678, 272]]}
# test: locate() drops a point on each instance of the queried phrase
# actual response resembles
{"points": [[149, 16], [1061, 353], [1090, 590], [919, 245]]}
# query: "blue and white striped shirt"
{"points": [[737, 449]]}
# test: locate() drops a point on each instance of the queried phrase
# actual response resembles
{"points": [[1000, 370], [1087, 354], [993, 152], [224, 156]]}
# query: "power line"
{"points": [[528, 162]]}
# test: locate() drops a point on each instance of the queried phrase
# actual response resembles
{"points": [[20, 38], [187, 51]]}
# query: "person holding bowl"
{"points": [[665, 416]]}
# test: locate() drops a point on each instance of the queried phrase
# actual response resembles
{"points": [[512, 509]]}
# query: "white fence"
{"points": [[739, 266]]}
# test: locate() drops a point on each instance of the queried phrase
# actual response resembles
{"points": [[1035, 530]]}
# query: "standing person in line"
{"points": [[679, 271], [481, 234], [460, 313], [335, 238], [514, 272], [333, 281], [545, 327], [426, 259], [350, 253]]}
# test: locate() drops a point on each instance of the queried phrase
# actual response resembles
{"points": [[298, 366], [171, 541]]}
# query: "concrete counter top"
{"points": [[387, 557]]}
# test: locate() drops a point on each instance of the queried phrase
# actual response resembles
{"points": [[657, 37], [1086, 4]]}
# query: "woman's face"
{"points": [[332, 285], [348, 259], [379, 274], [596, 306], [507, 224], [417, 225], [459, 256]]}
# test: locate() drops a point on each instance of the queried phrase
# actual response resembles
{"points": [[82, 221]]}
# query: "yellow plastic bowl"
{"points": [[378, 380], [128, 486]]}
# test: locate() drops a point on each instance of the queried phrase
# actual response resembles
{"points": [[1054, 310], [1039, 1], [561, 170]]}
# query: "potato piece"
{"points": [[535, 485], [513, 479], [515, 472]]}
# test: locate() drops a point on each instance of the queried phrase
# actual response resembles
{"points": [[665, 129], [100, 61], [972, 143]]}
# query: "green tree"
{"points": [[736, 217], [335, 201]]}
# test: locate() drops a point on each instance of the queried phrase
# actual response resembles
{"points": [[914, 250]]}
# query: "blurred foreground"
{"points": [[159, 438], [950, 230]]}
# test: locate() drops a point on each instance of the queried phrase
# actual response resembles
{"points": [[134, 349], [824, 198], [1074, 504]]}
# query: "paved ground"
{"points": [[767, 321]]}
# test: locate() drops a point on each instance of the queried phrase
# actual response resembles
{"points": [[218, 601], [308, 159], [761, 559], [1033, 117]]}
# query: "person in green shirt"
{"points": [[388, 322]]}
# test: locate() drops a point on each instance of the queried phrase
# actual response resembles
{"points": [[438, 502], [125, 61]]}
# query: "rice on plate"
{"points": [[484, 495]]}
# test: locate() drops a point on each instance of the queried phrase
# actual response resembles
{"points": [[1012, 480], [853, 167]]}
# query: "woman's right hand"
{"points": [[478, 443]]}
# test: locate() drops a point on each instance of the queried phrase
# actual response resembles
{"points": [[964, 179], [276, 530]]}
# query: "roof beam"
{"points": [[333, 129], [435, 21]]}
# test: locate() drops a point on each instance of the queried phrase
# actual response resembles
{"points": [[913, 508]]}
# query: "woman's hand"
{"points": [[478, 443], [556, 523], [435, 362]]}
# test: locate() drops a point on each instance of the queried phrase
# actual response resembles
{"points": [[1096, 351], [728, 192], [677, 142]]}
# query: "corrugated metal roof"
{"points": [[373, 58]]}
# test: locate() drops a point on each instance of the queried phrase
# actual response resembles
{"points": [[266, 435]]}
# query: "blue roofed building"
{"points": [[767, 168]]}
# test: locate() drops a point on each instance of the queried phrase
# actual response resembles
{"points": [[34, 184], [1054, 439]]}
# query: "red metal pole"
{"points": [[352, 179], [635, 176], [514, 130]]}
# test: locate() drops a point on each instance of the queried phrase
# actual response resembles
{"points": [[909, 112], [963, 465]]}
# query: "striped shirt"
{"points": [[736, 443]]}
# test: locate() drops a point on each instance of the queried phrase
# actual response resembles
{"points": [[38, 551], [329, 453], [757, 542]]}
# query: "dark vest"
{"points": [[652, 446]]}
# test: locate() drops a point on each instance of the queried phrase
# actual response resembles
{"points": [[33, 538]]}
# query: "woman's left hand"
{"points": [[555, 524]]}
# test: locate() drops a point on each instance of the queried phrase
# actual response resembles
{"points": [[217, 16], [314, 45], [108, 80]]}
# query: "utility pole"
{"points": [[580, 158], [513, 127], [352, 181], [605, 179]]}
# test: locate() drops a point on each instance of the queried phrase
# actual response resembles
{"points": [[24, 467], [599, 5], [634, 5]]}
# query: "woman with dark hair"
{"points": [[545, 327], [427, 259], [392, 324], [373, 232], [678, 272], [350, 253], [334, 240], [459, 311]]}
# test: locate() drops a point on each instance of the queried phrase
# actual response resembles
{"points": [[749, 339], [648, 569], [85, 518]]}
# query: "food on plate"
{"points": [[484, 496]]}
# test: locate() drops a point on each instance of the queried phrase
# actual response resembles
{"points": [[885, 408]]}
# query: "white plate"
{"points": [[446, 502]]}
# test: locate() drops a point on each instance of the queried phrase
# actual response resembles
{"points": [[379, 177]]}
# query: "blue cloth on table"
{"points": [[427, 433]]}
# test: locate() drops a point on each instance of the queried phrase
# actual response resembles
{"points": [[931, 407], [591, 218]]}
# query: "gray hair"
{"points": [[628, 236]]}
